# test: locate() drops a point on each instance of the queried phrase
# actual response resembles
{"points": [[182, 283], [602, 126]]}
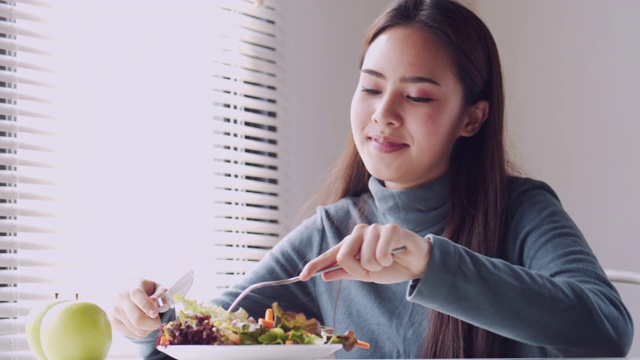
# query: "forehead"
{"points": [[408, 51]]}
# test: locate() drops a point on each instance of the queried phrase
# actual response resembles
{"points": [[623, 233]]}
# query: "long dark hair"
{"points": [[478, 168]]}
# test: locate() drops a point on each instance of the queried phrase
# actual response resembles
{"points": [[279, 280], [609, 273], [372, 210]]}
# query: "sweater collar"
{"points": [[422, 209]]}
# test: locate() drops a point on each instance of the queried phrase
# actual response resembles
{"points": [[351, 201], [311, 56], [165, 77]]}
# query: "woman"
{"points": [[493, 266]]}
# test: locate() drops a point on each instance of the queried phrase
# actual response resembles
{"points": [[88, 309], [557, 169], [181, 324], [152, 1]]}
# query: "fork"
{"points": [[291, 280]]}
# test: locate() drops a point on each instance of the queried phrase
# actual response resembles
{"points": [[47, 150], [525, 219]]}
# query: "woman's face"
{"points": [[408, 109]]}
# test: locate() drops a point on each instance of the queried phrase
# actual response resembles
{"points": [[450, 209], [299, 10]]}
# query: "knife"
{"points": [[182, 286]]}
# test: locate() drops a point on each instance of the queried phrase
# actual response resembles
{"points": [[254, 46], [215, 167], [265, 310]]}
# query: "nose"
{"points": [[387, 112]]}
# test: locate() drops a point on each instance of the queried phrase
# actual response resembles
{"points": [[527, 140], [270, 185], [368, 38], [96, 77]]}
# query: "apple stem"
{"points": [[56, 295], [76, 297]]}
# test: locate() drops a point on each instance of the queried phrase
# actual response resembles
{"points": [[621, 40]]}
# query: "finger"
{"points": [[144, 295], [338, 274], [323, 261], [349, 253], [120, 327], [368, 250], [388, 240], [130, 320], [138, 320], [130, 330]]}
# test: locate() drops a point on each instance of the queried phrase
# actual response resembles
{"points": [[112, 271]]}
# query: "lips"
{"points": [[386, 144]]}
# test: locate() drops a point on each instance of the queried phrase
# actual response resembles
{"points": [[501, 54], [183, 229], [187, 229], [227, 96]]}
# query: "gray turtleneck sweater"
{"points": [[549, 295]]}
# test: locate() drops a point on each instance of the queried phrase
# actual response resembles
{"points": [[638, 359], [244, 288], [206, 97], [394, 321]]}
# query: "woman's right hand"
{"points": [[135, 313]]}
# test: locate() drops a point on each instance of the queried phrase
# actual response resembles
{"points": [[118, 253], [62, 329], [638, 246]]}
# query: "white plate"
{"points": [[250, 352]]}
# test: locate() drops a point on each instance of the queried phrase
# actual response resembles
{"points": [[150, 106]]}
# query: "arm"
{"points": [[283, 261], [550, 291]]}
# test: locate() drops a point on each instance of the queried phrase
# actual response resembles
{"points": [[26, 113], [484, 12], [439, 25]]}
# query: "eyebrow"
{"points": [[404, 79]]}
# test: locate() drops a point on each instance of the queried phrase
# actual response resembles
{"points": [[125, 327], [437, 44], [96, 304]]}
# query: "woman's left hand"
{"points": [[365, 255]]}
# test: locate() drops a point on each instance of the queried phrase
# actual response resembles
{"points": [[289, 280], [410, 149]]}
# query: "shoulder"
{"points": [[534, 204], [537, 222], [519, 187], [527, 191]]}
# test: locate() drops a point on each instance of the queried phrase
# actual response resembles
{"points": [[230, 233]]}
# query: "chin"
{"points": [[388, 180]]}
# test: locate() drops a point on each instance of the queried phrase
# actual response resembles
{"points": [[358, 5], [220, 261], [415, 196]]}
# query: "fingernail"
{"points": [[152, 312]]}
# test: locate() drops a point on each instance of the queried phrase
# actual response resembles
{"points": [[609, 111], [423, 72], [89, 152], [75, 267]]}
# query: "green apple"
{"points": [[33, 325], [70, 330]]}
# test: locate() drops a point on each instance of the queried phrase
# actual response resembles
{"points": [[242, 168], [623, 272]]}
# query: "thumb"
{"points": [[154, 306]]}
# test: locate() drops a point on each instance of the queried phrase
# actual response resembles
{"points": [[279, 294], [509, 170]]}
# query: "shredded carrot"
{"points": [[363, 344], [164, 340], [266, 323], [268, 314], [234, 338], [289, 342]]}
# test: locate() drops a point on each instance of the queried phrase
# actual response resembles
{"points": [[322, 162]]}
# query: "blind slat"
{"points": [[13, 111], [246, 171], [247, 63], [26, 275], [13, 161], [14, 261], [18, 31], [6, 193], [242, 238], [244, 211], [220, 153], [11, 127], [13, 227], [244, 89], [9, 178], [252, 77], [18, 47], [246, 225], [222, 182], [244, 102], [13, 13], [247, 117], [237, 142], [14, 243], [12, 294], [11, 327], [241, 197], [238, 253], [13, 211], [264, 13], [13, 144]]}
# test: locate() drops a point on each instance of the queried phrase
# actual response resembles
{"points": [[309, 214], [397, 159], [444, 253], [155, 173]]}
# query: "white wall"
{"points": [[572, 75], [571, 71]]}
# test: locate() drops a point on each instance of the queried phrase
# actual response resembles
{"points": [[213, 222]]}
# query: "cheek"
{"points": [[358, 113]]}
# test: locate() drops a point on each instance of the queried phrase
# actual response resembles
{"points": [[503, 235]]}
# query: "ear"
{"points": [[474, 118]]}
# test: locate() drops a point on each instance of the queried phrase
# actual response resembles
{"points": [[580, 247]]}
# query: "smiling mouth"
{"points": [[386, 144]]}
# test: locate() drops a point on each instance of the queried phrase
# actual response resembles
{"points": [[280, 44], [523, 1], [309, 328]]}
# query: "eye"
{"points": [[419, 99], [371, 91]]}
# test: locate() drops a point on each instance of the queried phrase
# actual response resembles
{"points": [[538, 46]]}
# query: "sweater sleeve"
{"points": [[284, 261], [550, 290]]}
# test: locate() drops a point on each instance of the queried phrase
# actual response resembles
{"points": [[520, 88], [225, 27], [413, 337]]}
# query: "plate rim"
{"points": [[330, 348]]}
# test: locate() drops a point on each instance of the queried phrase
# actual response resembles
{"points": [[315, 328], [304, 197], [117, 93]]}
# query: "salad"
{"points": [[199, 324]]}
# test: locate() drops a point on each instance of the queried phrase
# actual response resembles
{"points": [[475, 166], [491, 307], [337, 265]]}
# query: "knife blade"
{"points": [[182, 286]]}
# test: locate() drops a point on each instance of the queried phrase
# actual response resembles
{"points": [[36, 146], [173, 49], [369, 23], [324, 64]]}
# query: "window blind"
{"points": [[27, 169], [248, 100], [133, 146]]}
